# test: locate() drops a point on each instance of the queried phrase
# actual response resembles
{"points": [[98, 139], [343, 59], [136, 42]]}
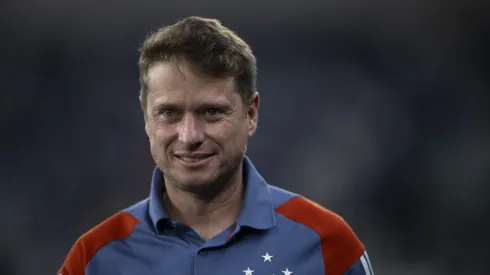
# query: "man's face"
{"points": [[198, 126]]}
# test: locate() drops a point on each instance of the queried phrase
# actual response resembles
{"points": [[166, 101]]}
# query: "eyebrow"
{"points": [[214, 105], [221, 104], [163, 105]]}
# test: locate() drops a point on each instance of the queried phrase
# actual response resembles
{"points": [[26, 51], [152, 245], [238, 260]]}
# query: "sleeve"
{"points": [[117, 227], [361, 267]]}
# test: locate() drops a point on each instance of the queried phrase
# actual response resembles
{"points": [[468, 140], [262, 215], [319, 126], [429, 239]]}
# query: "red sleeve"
{"points": [[340, 246], [118, 226]]}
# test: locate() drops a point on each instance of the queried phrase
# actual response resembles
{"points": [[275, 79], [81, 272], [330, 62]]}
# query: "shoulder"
{"points": [[324, 221], [309, 213], [116, 227], [340, 246]]}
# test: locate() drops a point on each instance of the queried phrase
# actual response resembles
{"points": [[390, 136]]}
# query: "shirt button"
{"points": [[203, 253]]}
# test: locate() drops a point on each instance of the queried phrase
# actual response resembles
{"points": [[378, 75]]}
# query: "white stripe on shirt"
{"points": [[365, 265], [369, 263]]}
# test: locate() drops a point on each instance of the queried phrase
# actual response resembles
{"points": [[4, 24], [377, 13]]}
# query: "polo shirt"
{"points": [[277, 232]]}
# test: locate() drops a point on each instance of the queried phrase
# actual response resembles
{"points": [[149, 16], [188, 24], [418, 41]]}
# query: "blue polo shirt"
{"points": [[277, 232]]}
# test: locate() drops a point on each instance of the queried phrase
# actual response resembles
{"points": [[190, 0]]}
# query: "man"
{"points": [[209, 210]]}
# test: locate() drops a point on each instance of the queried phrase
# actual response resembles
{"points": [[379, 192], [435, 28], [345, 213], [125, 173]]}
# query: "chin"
{"points": [[194, 179], [200, 186]]}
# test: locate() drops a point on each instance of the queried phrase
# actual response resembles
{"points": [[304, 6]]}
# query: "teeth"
{"points": [[188, 159]]}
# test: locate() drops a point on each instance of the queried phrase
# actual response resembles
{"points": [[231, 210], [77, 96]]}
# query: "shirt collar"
{"points": [[257, 209], [156, 209]]}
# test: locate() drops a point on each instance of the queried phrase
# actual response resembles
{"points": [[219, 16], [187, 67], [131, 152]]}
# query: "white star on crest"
{"points": [[248, 271], [287, 272], [267, 257]]}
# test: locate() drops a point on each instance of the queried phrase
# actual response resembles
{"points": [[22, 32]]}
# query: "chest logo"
{"points": [[267, 258]]}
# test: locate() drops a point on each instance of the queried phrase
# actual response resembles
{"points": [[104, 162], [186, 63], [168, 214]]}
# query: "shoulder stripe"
{"points": [[340, 246], [117, 227]]}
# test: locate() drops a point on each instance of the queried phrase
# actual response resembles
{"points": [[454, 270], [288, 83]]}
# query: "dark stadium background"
{"points": [[378, 110]]}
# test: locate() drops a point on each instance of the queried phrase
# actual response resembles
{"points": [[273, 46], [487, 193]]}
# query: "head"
{"points": [[199, 102]]}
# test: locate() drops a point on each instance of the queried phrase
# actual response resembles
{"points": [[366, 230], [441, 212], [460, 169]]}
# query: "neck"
{"points": [[207, 214]]}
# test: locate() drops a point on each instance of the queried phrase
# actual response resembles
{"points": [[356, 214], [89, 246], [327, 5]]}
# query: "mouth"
{"points": [[194, 160]]}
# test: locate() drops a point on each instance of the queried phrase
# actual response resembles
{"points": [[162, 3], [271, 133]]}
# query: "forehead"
{"points": [[174, 82]]}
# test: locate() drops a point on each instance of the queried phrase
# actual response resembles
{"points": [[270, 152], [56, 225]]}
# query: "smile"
{"points": [[194, 161]]}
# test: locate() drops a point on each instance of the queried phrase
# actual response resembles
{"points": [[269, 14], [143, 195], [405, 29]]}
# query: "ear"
{"points": [[253, 113]]}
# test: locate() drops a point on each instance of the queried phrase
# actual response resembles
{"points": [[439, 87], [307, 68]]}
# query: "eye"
{"points": [[168, 113], [212, 112]]}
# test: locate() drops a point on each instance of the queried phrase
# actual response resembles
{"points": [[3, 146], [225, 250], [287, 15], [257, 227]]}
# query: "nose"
{"points": [[190, 130]]}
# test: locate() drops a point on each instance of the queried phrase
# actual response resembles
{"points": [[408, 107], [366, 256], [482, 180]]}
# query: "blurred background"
{"points": [[377, 110]]}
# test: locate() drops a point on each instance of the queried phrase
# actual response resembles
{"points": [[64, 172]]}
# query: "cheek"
{"points": [[228, 134], [223, 131], [151, 130], [159, 136]]}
